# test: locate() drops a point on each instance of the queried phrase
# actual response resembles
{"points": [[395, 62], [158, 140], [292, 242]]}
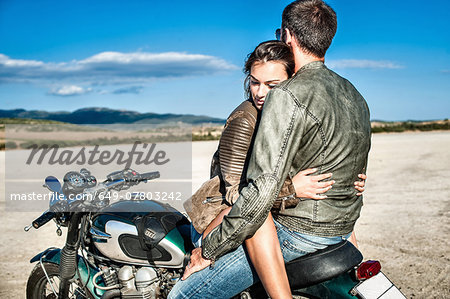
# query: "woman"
{"points": [[269, 64]]}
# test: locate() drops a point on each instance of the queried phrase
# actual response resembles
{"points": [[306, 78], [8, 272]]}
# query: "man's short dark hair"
{"points": [[313, 24]]}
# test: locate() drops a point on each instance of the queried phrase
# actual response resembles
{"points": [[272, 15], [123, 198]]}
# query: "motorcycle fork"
{"points": [[68, 263], [50, 280]]}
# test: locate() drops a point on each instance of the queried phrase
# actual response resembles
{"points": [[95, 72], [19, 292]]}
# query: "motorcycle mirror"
{"points": [[53, 184]]}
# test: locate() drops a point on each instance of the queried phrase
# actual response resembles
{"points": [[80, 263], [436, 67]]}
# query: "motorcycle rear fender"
{"points": [[54, 255], [338, 287]]}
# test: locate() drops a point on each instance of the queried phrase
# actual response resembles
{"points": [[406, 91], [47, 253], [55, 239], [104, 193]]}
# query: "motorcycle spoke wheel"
{"points": [[38, 287]]}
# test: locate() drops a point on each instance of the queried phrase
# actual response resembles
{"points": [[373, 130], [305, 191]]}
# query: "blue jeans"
{"points": [[196, 237], [233, 272]]}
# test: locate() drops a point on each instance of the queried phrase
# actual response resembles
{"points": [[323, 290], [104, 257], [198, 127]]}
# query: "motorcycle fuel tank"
{"points": [[143, 232]]}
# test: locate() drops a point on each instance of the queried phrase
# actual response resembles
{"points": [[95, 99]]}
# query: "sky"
{"points": [[186, 57]]}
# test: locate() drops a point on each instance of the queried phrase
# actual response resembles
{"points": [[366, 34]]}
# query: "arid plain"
{"points": [[404, 222]]}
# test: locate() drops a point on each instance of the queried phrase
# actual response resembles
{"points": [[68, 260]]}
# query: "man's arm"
{"points": [[277, 140]]}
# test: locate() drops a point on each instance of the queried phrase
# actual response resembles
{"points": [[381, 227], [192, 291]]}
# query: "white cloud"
{"points": [[69, 90], [113, 67], [362, 64], [11, 63], [129, 89]]}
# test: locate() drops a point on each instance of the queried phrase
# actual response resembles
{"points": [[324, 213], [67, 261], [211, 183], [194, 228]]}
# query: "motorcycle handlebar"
{"points": [[150, 175], [43, 219]]}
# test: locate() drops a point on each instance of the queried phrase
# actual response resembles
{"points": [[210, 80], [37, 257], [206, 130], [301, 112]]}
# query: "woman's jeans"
{"points": [[233, 272]]}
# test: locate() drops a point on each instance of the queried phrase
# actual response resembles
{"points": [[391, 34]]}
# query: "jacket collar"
{"points": [[312, 65]]}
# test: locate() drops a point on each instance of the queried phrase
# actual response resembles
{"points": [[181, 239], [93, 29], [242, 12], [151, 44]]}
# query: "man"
{"points": [[315, 119]]}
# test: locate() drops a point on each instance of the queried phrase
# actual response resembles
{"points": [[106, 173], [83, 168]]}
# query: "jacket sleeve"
{"points": [[233, 147], [276, 143]]}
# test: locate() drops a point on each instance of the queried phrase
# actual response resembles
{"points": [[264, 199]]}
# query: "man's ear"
{"points": [[288, 38]]}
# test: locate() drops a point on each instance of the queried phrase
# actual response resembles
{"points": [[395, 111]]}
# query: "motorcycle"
{"points": [[138, 248]]}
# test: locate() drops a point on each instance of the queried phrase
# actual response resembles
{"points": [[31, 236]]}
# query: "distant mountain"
{"points": [[109, 116]]}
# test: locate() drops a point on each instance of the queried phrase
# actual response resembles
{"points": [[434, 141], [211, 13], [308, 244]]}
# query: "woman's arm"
{"points": [[313, 186], [234, 144], [308, 186]]}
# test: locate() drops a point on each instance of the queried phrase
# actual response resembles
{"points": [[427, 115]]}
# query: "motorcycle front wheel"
{"points": [[39, 287]]}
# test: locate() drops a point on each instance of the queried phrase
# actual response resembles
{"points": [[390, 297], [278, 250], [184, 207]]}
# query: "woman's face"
{"points": [[263, 77]]}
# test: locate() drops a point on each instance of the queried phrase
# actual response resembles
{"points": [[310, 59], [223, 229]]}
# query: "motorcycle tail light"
{"points": [[368, 269]]}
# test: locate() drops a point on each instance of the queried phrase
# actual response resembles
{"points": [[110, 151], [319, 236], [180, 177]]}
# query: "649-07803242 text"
{"points": [[111, 196]]}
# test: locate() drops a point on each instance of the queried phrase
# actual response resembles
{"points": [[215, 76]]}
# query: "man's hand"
{"points": [[196, 263]]}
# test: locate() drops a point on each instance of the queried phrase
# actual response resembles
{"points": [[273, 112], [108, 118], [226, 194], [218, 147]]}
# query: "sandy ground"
{"points": [[404, 222]]}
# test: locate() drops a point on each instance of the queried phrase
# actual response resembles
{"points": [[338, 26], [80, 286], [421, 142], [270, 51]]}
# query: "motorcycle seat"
{"points": [[322, 265]]}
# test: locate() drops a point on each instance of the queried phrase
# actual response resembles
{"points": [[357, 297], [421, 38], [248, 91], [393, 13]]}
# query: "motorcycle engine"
{"points": [[143, 282]]}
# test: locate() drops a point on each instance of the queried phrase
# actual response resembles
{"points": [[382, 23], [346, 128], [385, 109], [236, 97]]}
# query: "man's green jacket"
{"points": [[316, 119]]}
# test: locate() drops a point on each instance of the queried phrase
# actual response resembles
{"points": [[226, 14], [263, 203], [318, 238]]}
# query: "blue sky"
{"points": [[187, 56]]}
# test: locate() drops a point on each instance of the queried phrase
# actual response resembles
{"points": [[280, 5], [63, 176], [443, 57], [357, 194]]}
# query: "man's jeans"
{"points": [[233, 272]]}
